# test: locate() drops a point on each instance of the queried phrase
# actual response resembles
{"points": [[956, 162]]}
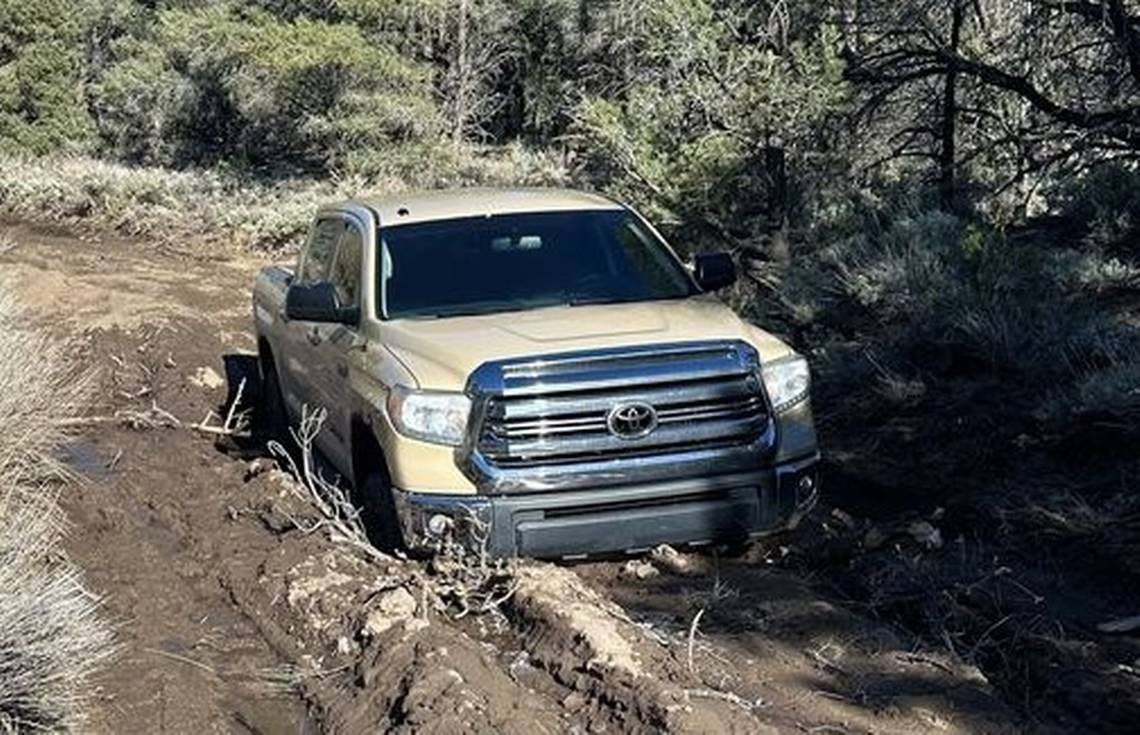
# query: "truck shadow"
{"points": [[243, 385]]}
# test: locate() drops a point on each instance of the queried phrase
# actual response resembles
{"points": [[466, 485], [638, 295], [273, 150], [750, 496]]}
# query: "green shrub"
{"points": [[220, 82], [1106, 200], [912, 305], [141, 105], [42, 106]]}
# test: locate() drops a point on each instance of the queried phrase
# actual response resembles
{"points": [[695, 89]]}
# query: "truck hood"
{"points": [[441, 353]]}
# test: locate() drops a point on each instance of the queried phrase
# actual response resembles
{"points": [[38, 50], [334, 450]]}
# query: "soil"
{"points": [[234, 620]]}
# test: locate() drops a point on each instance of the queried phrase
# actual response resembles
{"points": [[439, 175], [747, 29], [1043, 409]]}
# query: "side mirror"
{"points": [[318, 302], [714, 271]]}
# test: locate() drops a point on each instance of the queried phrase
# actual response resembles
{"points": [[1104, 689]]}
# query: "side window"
{"points": [[346, 269], [320, 251]]}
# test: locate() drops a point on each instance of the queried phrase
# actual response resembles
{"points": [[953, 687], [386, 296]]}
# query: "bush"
{"points": [[156, 202], [908, 300], [1105, 200], [42, 108], [220, 82], [52, 637]]}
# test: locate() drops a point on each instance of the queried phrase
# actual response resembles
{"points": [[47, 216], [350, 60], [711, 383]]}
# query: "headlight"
{"points": [[787, 381], [431, 416]]}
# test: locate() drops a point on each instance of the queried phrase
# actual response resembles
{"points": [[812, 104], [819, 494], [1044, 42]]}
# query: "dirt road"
{"points": [[233, 620]]}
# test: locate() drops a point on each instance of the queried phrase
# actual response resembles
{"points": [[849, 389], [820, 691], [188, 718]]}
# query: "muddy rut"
{"points": [[233, 620]]}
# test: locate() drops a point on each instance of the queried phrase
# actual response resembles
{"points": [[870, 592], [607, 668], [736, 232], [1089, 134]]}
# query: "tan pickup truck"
{"points": [[535, 371]]}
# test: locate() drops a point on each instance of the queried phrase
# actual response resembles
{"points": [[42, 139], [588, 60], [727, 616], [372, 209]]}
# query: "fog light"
{"points": [[806, 485], [438, 525]]}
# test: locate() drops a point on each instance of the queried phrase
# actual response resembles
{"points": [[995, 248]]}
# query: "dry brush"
{"points": [[52, 635]]}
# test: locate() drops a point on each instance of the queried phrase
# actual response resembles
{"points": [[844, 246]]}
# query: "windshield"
{"points": [[481, 265]]}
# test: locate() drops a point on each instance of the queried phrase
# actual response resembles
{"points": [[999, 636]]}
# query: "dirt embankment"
{"points": [[233, 619]]}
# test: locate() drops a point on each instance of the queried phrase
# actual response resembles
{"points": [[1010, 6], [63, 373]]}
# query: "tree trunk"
{"points": [[947, 154], [462, 77], [776, 175]]}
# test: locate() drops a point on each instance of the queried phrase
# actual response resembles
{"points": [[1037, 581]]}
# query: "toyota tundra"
{"points": [[536, 371]]}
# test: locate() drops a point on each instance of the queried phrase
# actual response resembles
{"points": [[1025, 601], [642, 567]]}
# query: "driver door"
{"points": [[299, 372], [334, 342]]}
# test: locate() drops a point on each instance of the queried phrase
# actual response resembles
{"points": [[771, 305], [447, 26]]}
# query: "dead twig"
{"points": [[337, 514], [705, 693], [182, 659], [152, 418], [693, 634], [236, 423], [1122, 625]]}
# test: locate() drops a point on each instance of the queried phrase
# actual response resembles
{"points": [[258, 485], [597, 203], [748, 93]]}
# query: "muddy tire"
{"points": [[272, 422], [379, 513]]}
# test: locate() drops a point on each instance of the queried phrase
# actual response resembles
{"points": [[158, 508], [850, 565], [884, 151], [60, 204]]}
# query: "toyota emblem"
{"points": [[631, 420]]}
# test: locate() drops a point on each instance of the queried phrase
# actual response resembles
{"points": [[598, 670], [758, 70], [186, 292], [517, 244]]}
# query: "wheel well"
{"points": [[367, 454]]}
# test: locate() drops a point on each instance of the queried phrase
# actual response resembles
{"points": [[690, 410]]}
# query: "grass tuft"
{"points": [[52, 636]]}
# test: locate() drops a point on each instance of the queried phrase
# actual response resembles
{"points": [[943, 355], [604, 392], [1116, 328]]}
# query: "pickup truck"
{"points": [[535, 371]]}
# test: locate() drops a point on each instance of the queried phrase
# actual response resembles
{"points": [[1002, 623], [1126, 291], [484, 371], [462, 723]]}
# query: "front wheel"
{"points": [[379, 512]]}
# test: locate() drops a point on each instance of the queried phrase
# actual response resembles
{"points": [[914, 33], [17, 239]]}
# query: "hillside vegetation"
{"points": [[936, 200]]}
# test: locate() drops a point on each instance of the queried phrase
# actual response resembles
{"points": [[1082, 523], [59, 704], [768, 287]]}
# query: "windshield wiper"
{"points": [[591, 300], [594, 300], [486, 308]]}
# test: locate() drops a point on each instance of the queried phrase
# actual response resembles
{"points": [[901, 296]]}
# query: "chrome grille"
{"points": [[553, 411]]}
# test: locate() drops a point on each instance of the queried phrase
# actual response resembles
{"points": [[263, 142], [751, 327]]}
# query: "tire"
{"points": [[272, 421], [379, 512]]}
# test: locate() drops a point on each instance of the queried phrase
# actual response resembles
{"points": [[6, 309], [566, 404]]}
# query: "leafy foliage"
{"points": [[42, 106], [211, 84], [715, 85]]}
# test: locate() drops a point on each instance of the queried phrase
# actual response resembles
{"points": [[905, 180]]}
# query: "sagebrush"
{"points": [[53, 636], [212, 205]]}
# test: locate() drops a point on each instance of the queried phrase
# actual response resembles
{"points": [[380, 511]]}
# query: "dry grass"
{"points": [[176, 205], [52, 638], [39, 394]]}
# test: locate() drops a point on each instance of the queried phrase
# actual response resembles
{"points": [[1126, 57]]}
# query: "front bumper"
{"points": [[631, 519]]}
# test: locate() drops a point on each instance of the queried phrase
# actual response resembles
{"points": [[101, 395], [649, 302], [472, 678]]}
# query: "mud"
{"points": [[233, 620]]}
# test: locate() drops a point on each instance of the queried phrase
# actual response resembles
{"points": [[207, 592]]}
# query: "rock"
{"points": [[638, 569], [925, 534], [844, 518], [521, 666], [394, 607], [323, 589], [305, 588], [1123, 625], [208, 378], [257, 467], [874, 538], [574, 701], [412, 625], [670, 560]]}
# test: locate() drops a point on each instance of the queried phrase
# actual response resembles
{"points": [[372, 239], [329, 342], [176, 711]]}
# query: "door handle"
{"points": [[314, 336]]}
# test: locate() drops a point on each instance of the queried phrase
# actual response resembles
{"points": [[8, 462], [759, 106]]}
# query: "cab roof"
{"points": [[408, 208]]}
